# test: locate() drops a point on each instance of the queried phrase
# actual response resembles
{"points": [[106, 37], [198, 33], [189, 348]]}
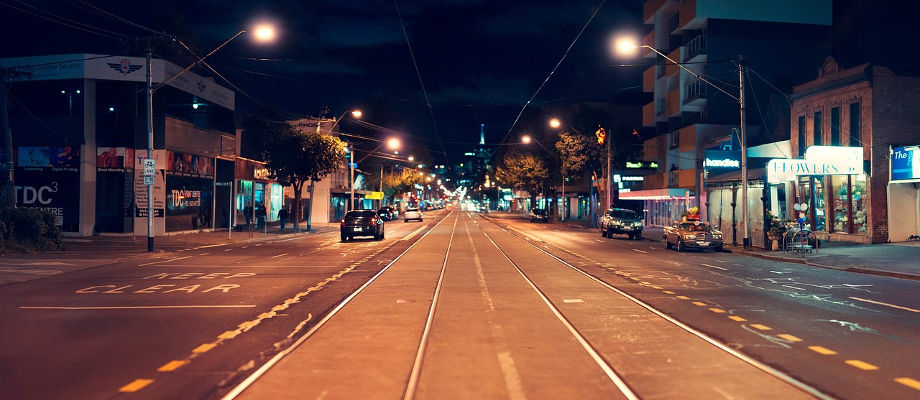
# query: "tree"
{"points": [[576, 152], [522, 171], [294, 157]]}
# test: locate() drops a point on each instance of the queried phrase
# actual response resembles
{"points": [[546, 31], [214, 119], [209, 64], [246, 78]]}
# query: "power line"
{"points": [[567, 50], [56, 21], [104, 13], [420, 81], [68, 20]]}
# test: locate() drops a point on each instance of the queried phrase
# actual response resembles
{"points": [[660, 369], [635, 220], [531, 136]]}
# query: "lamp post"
{"points": [[628, 46], [351, 153], [555, 123], [392, 143], [264, 33]]}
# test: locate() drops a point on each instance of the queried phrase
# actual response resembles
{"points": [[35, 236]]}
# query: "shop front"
{"points": [[832, 183], [257, 201], [189, 192], [47, 178], [904, 194], [661, 207]]}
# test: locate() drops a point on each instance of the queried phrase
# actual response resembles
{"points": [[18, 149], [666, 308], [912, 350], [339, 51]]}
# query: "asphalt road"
{"points": [[850, 335], [459, 306], [186, 325]]}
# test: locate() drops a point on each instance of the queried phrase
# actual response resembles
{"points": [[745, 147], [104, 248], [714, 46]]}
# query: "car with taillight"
{"points": [[692, 235], [621, 221], [361, 223], [412, 213]]}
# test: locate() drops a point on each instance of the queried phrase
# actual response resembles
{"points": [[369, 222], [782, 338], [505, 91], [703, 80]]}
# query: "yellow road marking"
{"points": [[683, 297], [862, 365], [172, 365], [656, 287], [668, 292], [717, 310], [138, 384], [761, 327], [228, 335], [204, 348], [700, 303], [736, 318], [644, 283], [822, 350], [911, 383], [788, 337]]}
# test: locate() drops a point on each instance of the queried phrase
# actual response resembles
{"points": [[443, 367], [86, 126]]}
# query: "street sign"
{"points": [[150, 166], [353, 165], [149, 180]]}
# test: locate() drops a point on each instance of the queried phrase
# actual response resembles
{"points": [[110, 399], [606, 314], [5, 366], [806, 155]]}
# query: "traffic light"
{"points": [[601, 135]]}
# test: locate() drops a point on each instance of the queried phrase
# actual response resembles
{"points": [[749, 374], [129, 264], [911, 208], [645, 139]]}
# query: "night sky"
{"points": [[480, 61]]}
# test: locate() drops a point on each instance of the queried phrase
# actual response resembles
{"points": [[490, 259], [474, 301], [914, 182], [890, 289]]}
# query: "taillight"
{"points": [[343, 221], [374, 222]]}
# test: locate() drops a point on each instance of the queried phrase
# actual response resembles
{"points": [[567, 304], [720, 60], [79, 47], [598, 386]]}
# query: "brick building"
{"points": [[865, 106]]}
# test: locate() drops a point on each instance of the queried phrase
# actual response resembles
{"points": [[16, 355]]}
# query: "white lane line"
{"points": [[280, 255], [512, 378], [641, 251], [228, 249], [737, 265], [133, 307], [204, 254], [208, 245], [573, 301], [598, 240], [886, 304], [713, 266], [164, 261], [415, 232]]}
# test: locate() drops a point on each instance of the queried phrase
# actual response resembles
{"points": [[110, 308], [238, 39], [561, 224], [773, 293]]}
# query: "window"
{"points": [[835, 126], [817, 131], [854, 125], [801, 136]]}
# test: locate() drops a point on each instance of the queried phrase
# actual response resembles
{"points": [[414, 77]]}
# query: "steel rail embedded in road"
{"points": [[242, 386], [743, 357]]}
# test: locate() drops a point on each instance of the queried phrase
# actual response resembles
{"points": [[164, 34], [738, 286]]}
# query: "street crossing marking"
{"points": [[699, 303], [641, 251], [736, 318], [717, 310], [761, 327], [204, 348]]}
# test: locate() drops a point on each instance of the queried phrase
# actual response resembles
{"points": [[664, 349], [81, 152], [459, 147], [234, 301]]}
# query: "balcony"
{"points": [[697, 46], [648, 40], [695, 93], [648, 115], [648, 79], [659, 106], [672, 68], [674, 22], [672, 107]]}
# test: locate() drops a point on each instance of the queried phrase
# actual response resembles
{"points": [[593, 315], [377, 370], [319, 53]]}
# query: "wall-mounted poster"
{"points": [[114, 158], [191, 164]]}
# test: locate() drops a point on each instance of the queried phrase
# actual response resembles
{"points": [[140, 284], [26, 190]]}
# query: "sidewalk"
{"points": [[896, 260]]}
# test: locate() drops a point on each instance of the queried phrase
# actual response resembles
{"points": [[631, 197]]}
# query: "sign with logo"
{"points": [[819, 160], [641, 164], [905, 163], [142, 181], [722, 161], [374, 196]]}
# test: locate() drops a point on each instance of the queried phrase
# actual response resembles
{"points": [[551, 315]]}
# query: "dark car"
{"points": [[539, 214], [388, 213], [361, 223], [692, 235], [621, 220]]}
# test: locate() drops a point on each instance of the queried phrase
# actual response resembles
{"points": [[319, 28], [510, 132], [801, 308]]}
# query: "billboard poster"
{"points": [[114, 158], [190, 164], [55, 190], [159, 187], [905, 163]]}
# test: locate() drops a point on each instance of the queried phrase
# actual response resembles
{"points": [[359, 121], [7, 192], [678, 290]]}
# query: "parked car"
{"points": [[692, 235], [388, 213], [539, 214], [412, 213], [361, 223], [621, 220]]}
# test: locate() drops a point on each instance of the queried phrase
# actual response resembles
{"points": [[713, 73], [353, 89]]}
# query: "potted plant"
{"points": [[775, 229]]}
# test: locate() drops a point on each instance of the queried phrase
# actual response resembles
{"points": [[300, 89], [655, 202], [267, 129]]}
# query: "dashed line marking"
{"points": [[788, 337], [573, 301], [683, 297], [656, 287], [668, 292], [717, 310], [822, 350], [862, 365], [172, 365], [138, 384], [204, 254], [280, 255], [713, 266], [204, 348], [909, 382], [699, 303], [641, 251], [886, 304], [228, 249], [228, 335], [736, 318], [761, 327]]}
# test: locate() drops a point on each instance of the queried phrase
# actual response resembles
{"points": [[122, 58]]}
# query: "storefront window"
{"points": [[859, 201], [840, 190], [819, 204]]}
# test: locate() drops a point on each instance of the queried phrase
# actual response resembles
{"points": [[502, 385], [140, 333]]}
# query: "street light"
{"points": [[262, 36], [628, 46], [555, 123], [526, 139]]}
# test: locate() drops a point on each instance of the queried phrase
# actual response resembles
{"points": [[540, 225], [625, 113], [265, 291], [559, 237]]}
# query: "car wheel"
{"points": [[667, 244], [344, 238], [405, 220], [717, 249], [680, 246], [419, 220], [630, 236], [639, 236]]}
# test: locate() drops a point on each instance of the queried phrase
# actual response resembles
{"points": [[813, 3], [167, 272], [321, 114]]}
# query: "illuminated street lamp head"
{"points": [[411, 158], [393, 143], [526, 139], [264, 32], [555, 123], [625, 46], [357, 113]]}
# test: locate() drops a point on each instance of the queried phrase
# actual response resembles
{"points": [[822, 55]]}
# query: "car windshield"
{"points": [[360, 213], [539, 211], [625, 214], [411, 209], [694, 227]]}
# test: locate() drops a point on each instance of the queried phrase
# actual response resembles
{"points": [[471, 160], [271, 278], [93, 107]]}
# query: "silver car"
{"points": [[412, 213], [692, 235]]}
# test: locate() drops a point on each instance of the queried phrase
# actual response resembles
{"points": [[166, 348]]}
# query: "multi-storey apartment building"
{"points": [[779, 41]]}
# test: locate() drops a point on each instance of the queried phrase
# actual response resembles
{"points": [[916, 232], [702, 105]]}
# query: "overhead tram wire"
{"points": [[75, 25], [553, 71], [420, 81], [104, 13]]}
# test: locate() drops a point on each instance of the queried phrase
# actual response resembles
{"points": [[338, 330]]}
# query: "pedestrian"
{"points": [[247, 213], [260, 217], [283, 216]]}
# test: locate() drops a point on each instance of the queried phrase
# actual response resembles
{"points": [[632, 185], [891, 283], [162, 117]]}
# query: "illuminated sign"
{"points": [[642, 164], [628, 178], [905, 163], [722, 161], [819, 160], [469, 154]]}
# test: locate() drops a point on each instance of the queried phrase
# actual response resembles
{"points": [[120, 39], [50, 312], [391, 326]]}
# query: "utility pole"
{"points": [[351, 177], [744, 177], [609, 200], [148, 94], [8, 193]]}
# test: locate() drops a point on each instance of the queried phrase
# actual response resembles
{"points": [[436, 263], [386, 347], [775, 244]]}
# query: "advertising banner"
{"points": [[159, 187], [47, 178], [114, 158], [905, 163]]}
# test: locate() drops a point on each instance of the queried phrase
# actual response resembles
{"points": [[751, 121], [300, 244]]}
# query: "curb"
{"points": [[859, 270]]}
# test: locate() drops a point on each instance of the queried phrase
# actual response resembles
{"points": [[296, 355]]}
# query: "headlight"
{"points": [[717, 236], [637, 223], [689, 236]]}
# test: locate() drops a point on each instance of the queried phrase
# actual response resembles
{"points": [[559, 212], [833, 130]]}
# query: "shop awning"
{"points": [[754, 174], [656, 194]]}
